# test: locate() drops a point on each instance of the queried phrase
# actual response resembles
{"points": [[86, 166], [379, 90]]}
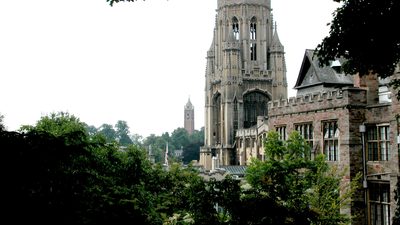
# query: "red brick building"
{"points": [[353, 121]]}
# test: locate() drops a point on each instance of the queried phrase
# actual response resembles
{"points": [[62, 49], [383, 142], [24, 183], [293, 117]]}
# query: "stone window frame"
{"points": [[330, 136], [253, 51], [306, 130], [378, 142], [254, 104], [282, 131], [253, 28], [379, 202], [235, 28]]}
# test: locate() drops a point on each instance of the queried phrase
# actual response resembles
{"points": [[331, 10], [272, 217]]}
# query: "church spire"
{"points": [[189, 105], [276, 45]]}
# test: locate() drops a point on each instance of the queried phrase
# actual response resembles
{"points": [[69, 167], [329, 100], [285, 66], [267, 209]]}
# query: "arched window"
{"points": [[253, 29], [235, 28], [217, 119], [255, 104], [253, 37]]}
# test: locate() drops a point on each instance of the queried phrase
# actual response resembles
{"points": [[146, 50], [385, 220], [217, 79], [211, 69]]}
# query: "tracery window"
{"points": [[253, 29], [235, 28], [255, 104]]}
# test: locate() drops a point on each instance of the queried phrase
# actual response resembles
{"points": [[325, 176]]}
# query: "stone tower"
{"points": [[189, 117], [245, 70]]}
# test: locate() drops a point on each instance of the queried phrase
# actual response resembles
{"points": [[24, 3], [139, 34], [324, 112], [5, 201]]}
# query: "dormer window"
{"points": [[235, 28], [253, 29], [336, 65]]}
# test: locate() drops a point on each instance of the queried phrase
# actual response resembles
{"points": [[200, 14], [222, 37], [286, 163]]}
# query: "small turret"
{"points": [[276, 45]]}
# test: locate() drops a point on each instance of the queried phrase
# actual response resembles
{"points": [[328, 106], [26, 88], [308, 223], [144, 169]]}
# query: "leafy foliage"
{"points": [[1, 122], [58, 174], [57, 124], [123, 133], [362, 32], [179, 139], [116, 1], [304, 191]]}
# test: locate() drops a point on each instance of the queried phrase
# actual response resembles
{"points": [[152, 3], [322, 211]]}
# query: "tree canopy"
{"points": [[303, 190], [111, 2], [364, 33], [58, 174], [1, 122]]}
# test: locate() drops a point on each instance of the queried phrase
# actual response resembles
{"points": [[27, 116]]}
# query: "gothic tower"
{"points": [[245, 69], [189, 117]]}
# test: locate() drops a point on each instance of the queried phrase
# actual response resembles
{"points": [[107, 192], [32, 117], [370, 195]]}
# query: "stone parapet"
{"points": [[348, 97], [222, 3]]}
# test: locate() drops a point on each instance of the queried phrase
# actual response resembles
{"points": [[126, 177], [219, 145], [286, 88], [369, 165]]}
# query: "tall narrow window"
{"points": [[235, 117], [306, 131], [255, 104], [331, 140], [378, 143], [253, 29], [379, 203], [235, 28], [253, 51], [217, 119], [282, 132]]}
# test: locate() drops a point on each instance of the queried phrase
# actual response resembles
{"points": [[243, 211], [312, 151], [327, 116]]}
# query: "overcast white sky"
{"points": [[137, 62]]}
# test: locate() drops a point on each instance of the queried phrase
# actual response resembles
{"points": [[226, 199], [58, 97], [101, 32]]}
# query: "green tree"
{"points": [[1, 122], [192, 151], [123, 133], [60, 124], [111, 2], [107, 130], [362, 32], [59, 177], [91, 130], [137, 139], [158, 145], [57, 124], [179, 138], [303, 191]]}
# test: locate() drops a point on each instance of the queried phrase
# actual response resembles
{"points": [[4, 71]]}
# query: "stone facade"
{"points": [[353, 120], [367, 140], [245, 69], [189, 117], [355, 126]]}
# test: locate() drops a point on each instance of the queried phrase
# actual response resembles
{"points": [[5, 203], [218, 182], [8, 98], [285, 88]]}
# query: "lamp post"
{"points": [[362, 130]]}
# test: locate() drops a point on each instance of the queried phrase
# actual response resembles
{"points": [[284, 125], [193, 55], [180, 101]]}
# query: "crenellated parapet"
{"points": [[347, 97], [222, 3]]}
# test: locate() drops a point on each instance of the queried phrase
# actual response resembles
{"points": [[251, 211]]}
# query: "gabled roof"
{"points": [[311, 74]]}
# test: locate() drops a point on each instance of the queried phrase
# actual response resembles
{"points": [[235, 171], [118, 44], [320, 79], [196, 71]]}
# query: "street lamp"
{"points": [[362, 130]]}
